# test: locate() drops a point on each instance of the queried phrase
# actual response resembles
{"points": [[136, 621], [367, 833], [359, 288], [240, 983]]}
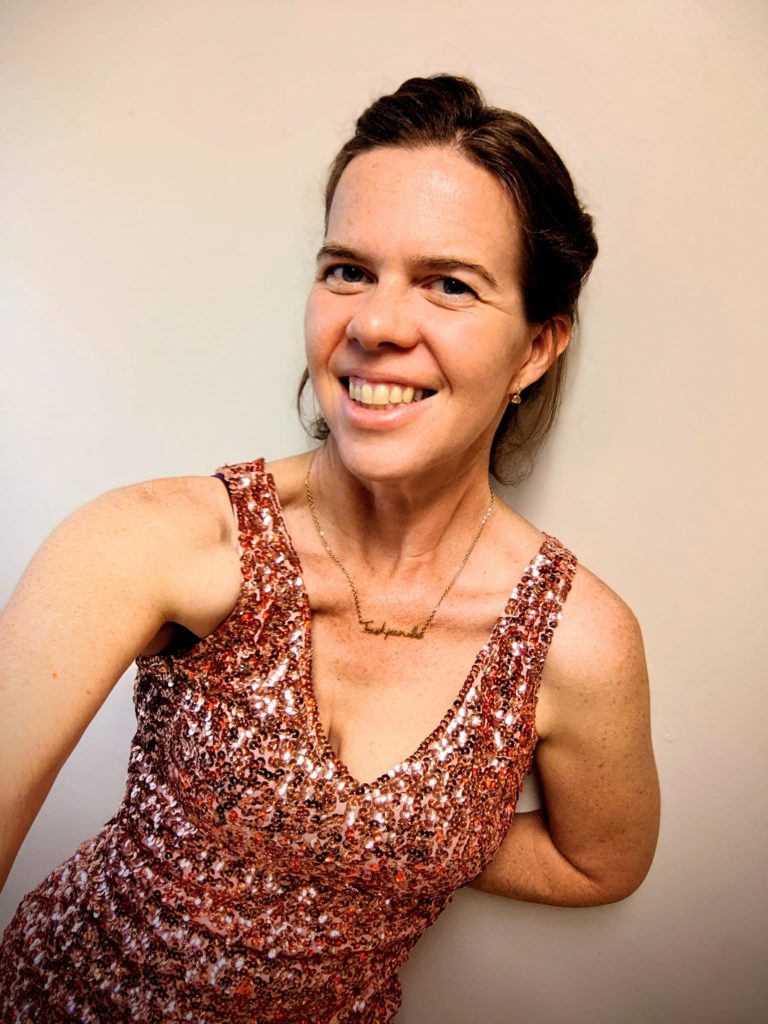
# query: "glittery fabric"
{"points": [[246, 876]]}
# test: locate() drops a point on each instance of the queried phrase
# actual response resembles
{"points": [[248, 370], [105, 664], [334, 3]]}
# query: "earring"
{"points": [[515, 398]]}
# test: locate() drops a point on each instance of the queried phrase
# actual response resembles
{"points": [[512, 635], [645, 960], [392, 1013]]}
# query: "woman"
{"points": [[341, 656]]}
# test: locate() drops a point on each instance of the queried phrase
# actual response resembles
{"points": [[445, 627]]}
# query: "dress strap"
{"points": [[249, 495], [240, 478], [268, 561], [547, 583], [244, 481], [534, 611]]}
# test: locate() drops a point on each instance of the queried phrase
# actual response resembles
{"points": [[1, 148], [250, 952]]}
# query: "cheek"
{"points": [[317, 327], [326, 308], [482, 369]]}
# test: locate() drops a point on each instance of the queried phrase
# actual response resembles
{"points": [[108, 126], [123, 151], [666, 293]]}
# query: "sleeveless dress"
{"points": [[247, 876]]}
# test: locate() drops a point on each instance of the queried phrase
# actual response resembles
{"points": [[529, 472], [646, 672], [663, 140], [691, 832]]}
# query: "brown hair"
{"points": [[559, 245]]}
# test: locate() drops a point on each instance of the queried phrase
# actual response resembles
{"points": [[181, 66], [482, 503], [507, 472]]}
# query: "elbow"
{"points": [[603, 897], [602, 892], [607, 883], [619, 875], [576, 890]]}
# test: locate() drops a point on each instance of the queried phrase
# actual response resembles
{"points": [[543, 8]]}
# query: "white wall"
{"points": [[161, 172]]}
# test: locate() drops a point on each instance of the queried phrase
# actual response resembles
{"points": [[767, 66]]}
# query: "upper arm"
{"points": [[594, 756], [93, 596]]}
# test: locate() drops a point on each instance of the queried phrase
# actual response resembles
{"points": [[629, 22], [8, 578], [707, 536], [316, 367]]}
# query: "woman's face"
{"points": [[417, 294]]}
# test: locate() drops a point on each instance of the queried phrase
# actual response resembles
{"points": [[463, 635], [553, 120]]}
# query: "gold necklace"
{"points": [[416, 632]]}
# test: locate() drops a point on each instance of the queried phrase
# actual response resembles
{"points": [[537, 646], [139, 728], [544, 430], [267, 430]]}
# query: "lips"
{"points": [[382, 395]]}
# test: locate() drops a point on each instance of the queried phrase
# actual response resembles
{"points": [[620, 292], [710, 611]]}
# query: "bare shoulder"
{"points": [[172, 543], [598, 635], [187, 526], [597, 657], [196, 505], [597, 625]]}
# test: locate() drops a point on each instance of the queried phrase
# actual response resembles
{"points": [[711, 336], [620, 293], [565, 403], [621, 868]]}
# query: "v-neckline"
{"points": [[306, 658]]}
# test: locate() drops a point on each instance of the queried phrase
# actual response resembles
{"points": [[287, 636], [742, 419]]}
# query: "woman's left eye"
{"points": [[452, 286]]}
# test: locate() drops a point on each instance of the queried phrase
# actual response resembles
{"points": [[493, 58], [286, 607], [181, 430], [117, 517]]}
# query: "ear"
{"points": [[549, 340]]}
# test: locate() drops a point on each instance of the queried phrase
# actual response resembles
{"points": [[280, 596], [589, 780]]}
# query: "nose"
{"points": [[384, 316]]}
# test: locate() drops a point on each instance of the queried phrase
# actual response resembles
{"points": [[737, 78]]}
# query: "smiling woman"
{"points": [[308, 786], [552, 237]]}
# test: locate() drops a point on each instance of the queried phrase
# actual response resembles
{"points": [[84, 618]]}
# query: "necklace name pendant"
{"points": [[415, 633], [367, 626]]}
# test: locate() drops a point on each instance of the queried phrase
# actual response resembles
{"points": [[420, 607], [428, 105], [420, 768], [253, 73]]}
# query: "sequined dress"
{"points": [[246, 876]]}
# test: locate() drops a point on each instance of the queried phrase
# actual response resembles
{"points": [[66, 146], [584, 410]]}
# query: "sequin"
{"points": [[247, 876]]}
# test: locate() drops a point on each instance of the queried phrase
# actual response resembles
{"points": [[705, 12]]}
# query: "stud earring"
{"points": [[515, 398]]}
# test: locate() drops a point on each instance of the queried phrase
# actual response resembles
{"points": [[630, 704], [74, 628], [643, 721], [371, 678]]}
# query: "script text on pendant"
{"points": [[415, 633]]}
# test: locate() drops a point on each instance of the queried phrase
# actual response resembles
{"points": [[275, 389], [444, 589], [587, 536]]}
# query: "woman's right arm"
{"points": [[94, 596]]}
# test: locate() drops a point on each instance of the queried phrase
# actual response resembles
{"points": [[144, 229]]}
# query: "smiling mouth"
{"points": [[383, 396]]}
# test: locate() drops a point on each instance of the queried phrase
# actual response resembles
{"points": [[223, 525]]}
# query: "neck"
{"points": [[388, 525]]}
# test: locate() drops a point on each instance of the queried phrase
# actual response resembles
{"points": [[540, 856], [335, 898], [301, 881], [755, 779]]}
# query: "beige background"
{"points": [[161, 177]]}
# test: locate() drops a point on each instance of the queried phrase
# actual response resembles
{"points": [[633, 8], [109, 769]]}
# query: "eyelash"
{"points": [[326, 272]]}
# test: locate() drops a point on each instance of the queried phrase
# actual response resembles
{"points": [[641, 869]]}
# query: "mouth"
{"points": [[376, 395]]}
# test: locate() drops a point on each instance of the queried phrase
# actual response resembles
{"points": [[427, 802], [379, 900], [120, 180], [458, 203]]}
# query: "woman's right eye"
{"points": [[344, 273]]}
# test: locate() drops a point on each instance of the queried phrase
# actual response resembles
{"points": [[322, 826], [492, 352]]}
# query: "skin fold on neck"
{"points": [[391, 527]]}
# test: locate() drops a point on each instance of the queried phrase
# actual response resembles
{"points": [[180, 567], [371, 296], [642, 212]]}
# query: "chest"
{"points": [[379, 697], [429, 739]]}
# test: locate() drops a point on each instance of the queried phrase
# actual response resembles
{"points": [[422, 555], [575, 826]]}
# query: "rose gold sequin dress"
{"points": [[246, 876]]}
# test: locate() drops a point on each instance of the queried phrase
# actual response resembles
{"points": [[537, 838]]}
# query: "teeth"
{"points": [[382, 394]]}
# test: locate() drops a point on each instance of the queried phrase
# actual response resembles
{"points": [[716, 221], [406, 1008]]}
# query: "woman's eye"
{"points": [[344, 273], [452, 286]]}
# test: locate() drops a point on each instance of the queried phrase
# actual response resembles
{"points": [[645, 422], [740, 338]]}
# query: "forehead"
{"points": [[426, 200]]}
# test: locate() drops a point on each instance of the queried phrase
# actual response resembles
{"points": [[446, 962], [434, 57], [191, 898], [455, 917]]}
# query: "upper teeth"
{"points": [[382, 394]]}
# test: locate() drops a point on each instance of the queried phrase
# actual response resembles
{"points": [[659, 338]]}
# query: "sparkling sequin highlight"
{"points": [[247, 876]]}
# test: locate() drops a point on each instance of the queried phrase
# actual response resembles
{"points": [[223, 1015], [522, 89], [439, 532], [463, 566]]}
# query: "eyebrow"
{"points": [[445, 263]]}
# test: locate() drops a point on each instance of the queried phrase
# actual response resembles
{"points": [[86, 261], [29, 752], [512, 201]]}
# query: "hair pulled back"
{"points": [[558, 241]]}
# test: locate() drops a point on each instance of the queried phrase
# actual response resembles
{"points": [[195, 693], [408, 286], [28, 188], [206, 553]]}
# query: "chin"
{"points": [[380, 462], [391, 460]]}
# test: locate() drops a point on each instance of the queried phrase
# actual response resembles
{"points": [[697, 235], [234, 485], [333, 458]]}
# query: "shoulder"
{"points": [[169, 543], [186, 510], [128, 561], [597, 628], [597, 659], [597, 625], [158, 540]]}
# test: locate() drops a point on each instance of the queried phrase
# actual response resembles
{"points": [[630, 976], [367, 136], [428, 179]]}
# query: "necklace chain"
{"points": [[416, 632]]}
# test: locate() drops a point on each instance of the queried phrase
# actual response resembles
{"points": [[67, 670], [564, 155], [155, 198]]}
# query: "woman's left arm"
{"points": [[594, 839]]}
